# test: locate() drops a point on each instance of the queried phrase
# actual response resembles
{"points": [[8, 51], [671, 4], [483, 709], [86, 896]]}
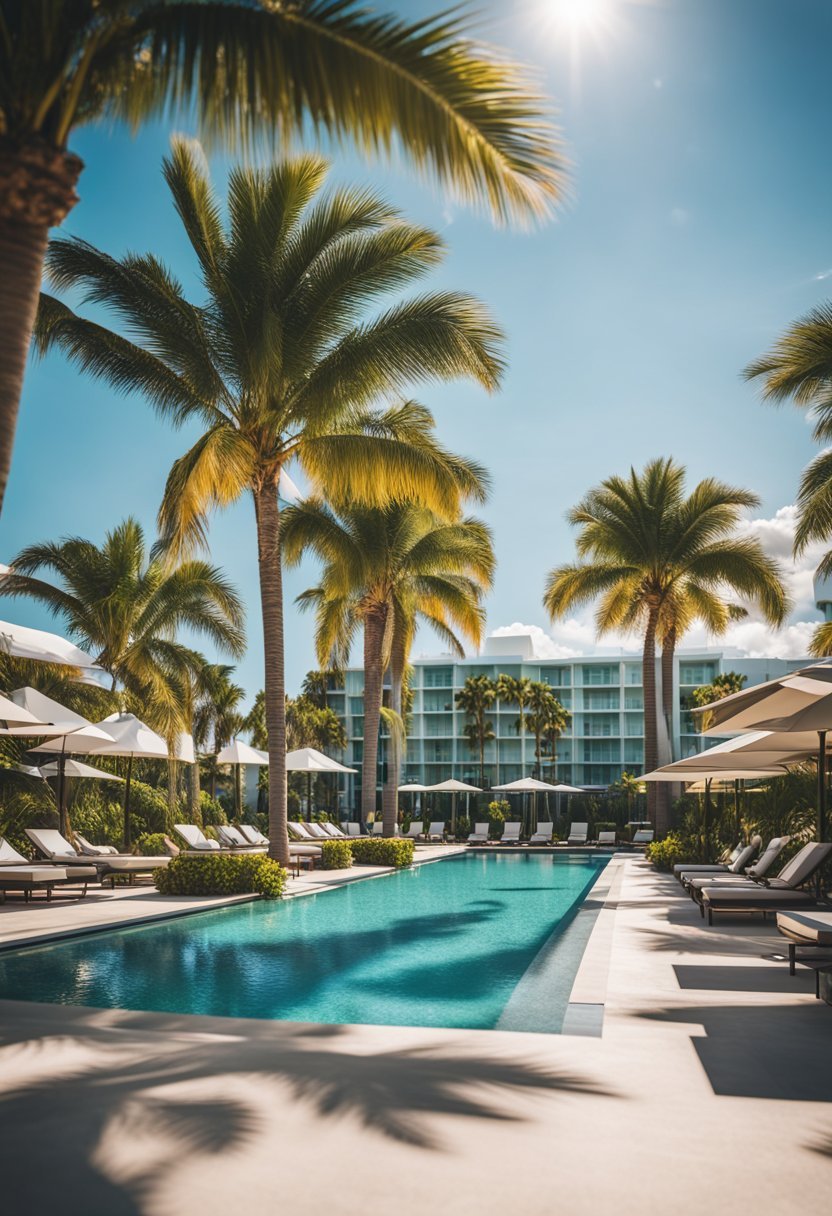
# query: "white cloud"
{"points": [[824, 274], [752, 637]]}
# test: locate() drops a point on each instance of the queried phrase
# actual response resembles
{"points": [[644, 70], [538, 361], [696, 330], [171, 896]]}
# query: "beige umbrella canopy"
{"points": [[309, 760], [75, 768], [241, 753], [21, 642], [453, 787], [15, 716]]}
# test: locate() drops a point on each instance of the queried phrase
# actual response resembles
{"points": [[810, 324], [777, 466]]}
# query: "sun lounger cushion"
{"points": [[814, 928], [94, 850]]}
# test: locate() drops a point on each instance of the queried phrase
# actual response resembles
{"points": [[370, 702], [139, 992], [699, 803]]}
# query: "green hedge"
{"points": [[336, 855], [665, 854], [151, 844], [383, 851], [256, 875]]}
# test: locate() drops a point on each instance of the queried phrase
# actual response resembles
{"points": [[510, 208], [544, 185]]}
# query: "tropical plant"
{"points": [[546, 718], [515, 690], [652, 557], [217, 720], [127, 608], [725, 684], [555, 722], [631, 787], [383, 570], [280, 362], [475, 699], [242, 67]]}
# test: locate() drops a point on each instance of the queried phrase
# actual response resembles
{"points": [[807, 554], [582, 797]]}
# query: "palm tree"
{"points": [[516, 690], [541, 703], [384, 568], [556, 719], [244, 67], [128, 608], [475, 698], [281, 362], [217, 716], [723, 685], [652, 549], [799, 367]]}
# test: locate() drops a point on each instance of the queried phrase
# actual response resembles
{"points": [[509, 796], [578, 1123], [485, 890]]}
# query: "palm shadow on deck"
{"points": [[167, 1077]]}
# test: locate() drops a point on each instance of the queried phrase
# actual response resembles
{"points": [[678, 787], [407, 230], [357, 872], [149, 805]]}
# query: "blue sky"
{"points": [[698, 228]]}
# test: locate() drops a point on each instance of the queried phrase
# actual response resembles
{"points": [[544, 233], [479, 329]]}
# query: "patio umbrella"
{"points": [[238, 753], [704, 778], [309, 760], [128, 736], [21, 642], [414, 788], [17, 716], [453, 787], [75, 768], [796, 704], [529, 785], [61, 723]]}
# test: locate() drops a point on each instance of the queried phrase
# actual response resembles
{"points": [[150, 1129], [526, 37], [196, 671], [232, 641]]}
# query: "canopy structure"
{"points": [[531, 785], [185, 750], [21, 642], [62, 723], [75, 768], [241, 753], [310, 761], [413, 787], [13, 715], [798, 706], [128, 736], [453, 787]]}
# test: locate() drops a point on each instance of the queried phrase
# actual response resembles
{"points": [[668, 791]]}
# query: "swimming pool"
{"points": [[443, 944]]}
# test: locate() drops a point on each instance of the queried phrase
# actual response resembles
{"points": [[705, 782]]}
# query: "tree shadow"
{"points": [[770, 1051], [131, 1086], [743, 979]]}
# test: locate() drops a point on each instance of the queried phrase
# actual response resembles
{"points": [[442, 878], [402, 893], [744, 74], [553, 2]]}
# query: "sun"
{"points": [[582, 15]]}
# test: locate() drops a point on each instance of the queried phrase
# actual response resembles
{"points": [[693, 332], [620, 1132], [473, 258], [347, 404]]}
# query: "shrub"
{"points": [[336, 854], [211, 875], [665, 854], [463, 826], [383, 851], [211, 809], [151, 844]]}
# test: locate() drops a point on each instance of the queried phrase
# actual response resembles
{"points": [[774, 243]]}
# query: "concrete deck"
{"points": [[709, 1088]]}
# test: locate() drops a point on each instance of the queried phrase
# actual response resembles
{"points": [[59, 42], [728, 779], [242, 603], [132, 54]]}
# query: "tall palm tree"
{"points": [[475, 698], [649, 545], [383, 569], [555, 721], [242, 68], [217, 715], [281, 361], [515, 690], [127, 608], [541, 709], [799, 367]]}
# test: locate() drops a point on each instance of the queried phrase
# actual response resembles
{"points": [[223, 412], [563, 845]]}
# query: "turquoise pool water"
{"points": [[443, 944]]}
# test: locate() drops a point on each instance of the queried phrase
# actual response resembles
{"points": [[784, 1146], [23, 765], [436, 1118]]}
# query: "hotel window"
{"points": [[601, 699], [696, 673], [633, 699], [599, 674], [438, 677]]}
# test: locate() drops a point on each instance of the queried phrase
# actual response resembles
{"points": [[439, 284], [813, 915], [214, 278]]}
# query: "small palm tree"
{"points": [[723, 685], [383, 570], [128, 608], [652, 549], [246, 67], [515, 690], [556, 721], [540, 718], [475, 698], [281, 361], [217, 716]]}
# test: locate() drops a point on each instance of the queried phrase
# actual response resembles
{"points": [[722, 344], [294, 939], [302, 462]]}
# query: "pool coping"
{"points": [[588, 996]]}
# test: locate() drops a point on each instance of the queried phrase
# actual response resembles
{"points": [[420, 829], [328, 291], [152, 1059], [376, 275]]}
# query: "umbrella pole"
{"points": [[706, 821], [309, 797], [127, 804], [737, 806], [62, 789], [821, 784]]}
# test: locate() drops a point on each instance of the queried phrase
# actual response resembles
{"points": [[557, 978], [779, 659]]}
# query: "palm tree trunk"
{"points": [[267, 512], [651, 735], [390, 792], [374, 626], [194, 792], [666, 793], [37, 189]]}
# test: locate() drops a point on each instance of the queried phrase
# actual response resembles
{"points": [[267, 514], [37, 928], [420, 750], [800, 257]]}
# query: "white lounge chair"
{"points": [[57, 849], [378, 828], [725, 863], [18, 873], [578, 833], [810, 931], [353, 829], [233, 838], [195, 838], [643, 837], [543, 834], [606, 840], [416, 828], [511, 833], [756, 871], [299, 831], [480, 833], [779, 894], [253, 835], [436, 831]]}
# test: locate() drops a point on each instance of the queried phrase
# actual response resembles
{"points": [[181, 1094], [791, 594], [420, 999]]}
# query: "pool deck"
{"points": [[708, 1089]]}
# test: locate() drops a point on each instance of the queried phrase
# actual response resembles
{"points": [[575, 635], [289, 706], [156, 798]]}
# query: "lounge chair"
{"points": [[378, 828], [436, 831], [811, 931], [756, 872], [195, 838], [93, 850], [511, 833], [543, 835], [780, 894], [642, 838], [316, 830], [746, 855], [299, 831], [416, 828], [606, 840], [578, 833], [479, 834], [716, 867], [234, 839], [18, 873], [57, 849], [253, 835], [354, 829], [333, 832]]}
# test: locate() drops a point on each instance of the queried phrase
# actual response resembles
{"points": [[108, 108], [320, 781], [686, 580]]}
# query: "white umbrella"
{"points": [[309, 760], [241, 753], [13, 715], [413, 787], [453, 787], [529, 785], [75, 768], [128, 737], [62, 723], [21, 642]]}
